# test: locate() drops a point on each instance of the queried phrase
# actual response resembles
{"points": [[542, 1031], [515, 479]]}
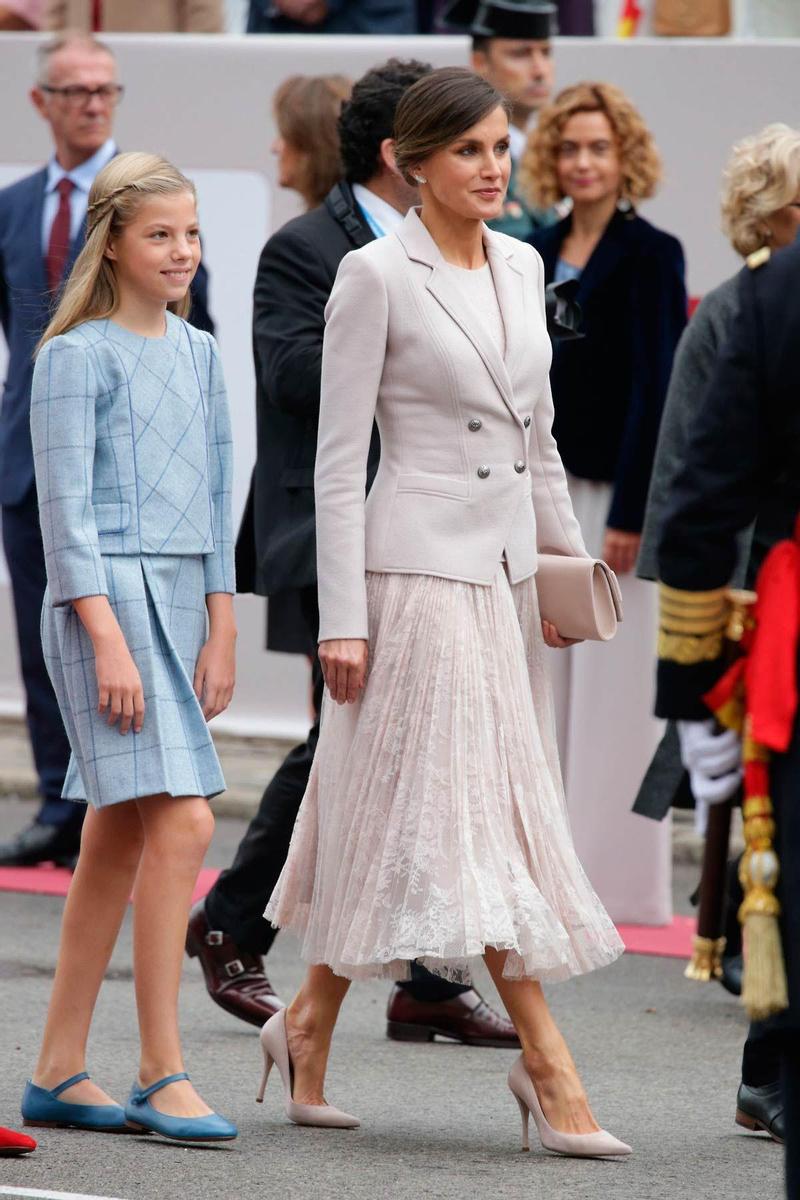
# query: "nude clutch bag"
{"points": [[580, 596]]}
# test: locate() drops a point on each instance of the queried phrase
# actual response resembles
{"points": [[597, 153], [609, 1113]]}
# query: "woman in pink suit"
{"points": [[434, 826]]}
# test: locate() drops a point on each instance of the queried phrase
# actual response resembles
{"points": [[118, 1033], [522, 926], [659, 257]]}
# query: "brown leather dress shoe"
{"points": [[466, 1018], [235, 978]]}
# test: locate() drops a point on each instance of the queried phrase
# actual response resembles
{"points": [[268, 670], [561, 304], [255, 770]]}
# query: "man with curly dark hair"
{"points": [[276, 557]]}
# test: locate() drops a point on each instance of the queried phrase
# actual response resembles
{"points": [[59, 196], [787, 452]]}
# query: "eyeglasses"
{"points": [[78, 97]]}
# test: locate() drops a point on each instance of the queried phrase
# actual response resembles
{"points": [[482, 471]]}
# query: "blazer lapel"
{"points": [[420, 247], [31, 233], [509, 286]]}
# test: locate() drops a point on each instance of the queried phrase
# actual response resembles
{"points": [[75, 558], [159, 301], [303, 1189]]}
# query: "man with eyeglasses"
{"points": [[42, 227]]}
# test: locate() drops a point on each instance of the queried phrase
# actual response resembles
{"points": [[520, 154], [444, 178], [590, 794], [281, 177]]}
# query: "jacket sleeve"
{"points": [[353, 358], [63, 401], [218, 566], [715, 495], [659, 310], [291, 290], [557, 528]]}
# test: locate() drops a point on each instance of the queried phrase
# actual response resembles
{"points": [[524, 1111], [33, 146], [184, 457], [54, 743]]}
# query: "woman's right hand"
{"points": [[119, 684], [344, 666]]}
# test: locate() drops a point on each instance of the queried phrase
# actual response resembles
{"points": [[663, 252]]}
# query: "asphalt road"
{"points": [[659, 1057]]}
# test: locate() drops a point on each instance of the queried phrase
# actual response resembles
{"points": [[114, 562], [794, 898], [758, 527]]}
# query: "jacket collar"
{"points": [[442, 284], [614, 244]]}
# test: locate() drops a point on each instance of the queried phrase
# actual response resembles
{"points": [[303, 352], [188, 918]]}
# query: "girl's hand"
{"points": [[344, 666], [554, 639], [119, 684], [215, 673], [620, 550]]}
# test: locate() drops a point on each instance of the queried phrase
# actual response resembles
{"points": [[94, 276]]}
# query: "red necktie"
{"points": [[58, 246]]}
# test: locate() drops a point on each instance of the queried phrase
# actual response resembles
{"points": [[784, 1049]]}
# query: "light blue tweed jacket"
{"points": [[133, 453]]}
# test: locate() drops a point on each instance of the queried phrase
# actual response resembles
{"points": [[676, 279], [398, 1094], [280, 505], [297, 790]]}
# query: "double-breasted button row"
{"points": [[475, 424], [484, 472], [519, 466]]}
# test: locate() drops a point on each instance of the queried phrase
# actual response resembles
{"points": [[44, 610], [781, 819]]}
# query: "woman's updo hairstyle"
{"points": [[437, 110], [763, 176], [91, 292]]}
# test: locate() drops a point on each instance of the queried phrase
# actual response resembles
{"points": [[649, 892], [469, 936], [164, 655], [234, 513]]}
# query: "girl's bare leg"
{"points": [[310, 1021], [177, 831], [111, 845], [545, 1053]]}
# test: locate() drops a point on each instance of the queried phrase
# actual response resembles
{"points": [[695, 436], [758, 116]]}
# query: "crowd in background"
{"points": [[581, 18]]}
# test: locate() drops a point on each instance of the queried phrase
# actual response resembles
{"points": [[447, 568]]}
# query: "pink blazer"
{"points": [[469, 468]]}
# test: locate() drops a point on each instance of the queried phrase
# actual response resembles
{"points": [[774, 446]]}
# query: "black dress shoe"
{"points": [[760, 1109], [466, 1018], [731, 977], [38, 843]]}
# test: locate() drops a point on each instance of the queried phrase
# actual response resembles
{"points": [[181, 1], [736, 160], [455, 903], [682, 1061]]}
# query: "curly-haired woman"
{"points": [[592, 147]]}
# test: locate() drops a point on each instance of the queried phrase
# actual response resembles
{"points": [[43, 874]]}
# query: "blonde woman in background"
{"points": [[592, 147], [307, 109]]}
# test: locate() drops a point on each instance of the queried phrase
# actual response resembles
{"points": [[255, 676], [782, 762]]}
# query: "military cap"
{"points": [[522, 19]]}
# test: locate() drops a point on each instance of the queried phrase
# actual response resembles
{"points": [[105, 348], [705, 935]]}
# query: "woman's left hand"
{"points": [[215, 674], [554, 639], [620, 550]]}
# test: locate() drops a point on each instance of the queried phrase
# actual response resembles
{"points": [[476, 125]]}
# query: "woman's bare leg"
{"points": [[310, 1021], [545, 1053], [177, 832], [111, 845]]}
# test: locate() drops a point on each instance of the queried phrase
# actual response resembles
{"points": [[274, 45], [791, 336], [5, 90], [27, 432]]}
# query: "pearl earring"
{"points": [[420, 179]]}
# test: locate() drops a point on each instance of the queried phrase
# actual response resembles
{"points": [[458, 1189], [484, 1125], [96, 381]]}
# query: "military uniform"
{"points": [[742, 462]]}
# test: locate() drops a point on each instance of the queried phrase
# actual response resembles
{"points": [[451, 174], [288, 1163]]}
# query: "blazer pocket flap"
{"points": [[298, 477], [112, 518], [434, 485]]}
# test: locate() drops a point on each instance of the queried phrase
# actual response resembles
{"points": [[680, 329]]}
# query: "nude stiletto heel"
{"points": [[576, 1145], [275, 1045]]}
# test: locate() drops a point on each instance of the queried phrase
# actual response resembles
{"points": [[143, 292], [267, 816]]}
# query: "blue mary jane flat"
{"points": [[42, 1107], [139, 1111]]}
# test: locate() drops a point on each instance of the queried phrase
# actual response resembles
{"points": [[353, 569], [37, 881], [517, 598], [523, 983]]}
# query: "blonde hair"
{"points": [[92, 292], [763, 175], [639, 160]]}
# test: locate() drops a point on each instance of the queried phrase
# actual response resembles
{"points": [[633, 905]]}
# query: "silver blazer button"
{"points": [[519, 466], [527, 422], [475, 424], [484, 472]]}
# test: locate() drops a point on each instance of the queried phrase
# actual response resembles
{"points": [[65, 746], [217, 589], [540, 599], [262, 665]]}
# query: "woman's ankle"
{"points": [[151, 1072], [49, 1073]]}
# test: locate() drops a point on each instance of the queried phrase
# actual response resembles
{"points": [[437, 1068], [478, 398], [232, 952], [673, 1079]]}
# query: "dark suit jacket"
{"points": [[276, 549], [344, 16], [26, 306], [609, 387]]}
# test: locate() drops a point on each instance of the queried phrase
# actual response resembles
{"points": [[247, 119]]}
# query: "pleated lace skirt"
{"points": [[434, 824]]}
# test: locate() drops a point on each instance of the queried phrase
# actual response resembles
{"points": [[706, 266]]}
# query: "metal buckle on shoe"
{"points": [[214, 937], [234, 967]]}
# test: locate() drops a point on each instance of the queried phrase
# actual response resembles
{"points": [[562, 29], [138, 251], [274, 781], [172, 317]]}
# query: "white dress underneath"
{"points": [[434, 823]]}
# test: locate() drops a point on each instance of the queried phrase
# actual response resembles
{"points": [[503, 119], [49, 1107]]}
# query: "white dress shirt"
{"points": [[380, 215], [83, 177]]}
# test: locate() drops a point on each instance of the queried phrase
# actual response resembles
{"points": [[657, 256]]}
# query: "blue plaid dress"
{"points": [[132, 449]]}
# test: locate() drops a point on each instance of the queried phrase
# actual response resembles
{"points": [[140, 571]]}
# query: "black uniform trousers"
{"points": [[22, 544], [785, 782], [237, 901]]}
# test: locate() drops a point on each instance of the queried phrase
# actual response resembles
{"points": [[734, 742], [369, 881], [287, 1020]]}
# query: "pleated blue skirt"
{"points": [[159, 601]]}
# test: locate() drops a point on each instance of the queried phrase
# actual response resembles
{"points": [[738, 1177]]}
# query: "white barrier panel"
{"points": [[204, 102]]}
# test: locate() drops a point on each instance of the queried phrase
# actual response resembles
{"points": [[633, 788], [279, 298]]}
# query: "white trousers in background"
{"points": [[607, 735]]}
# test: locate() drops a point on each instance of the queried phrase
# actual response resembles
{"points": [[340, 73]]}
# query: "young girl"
{"points": [[132, 446]]}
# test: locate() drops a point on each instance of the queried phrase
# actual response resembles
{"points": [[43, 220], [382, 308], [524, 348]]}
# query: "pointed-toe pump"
{"points": [[42, 1107], [577, 1145], [140, 1112], [275, 1045]]}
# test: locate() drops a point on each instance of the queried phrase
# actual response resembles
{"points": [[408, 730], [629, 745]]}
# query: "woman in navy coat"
{"points": [[609, 388]]}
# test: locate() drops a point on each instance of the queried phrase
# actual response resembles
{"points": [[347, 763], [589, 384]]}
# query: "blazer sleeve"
{"points": [[291, 290], [353, 357], [218, 566], [557, 528], [63, 401], [660, 317]]}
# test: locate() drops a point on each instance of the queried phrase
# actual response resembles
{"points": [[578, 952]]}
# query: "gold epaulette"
{"points": [[691, 624], [758, 258]]}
